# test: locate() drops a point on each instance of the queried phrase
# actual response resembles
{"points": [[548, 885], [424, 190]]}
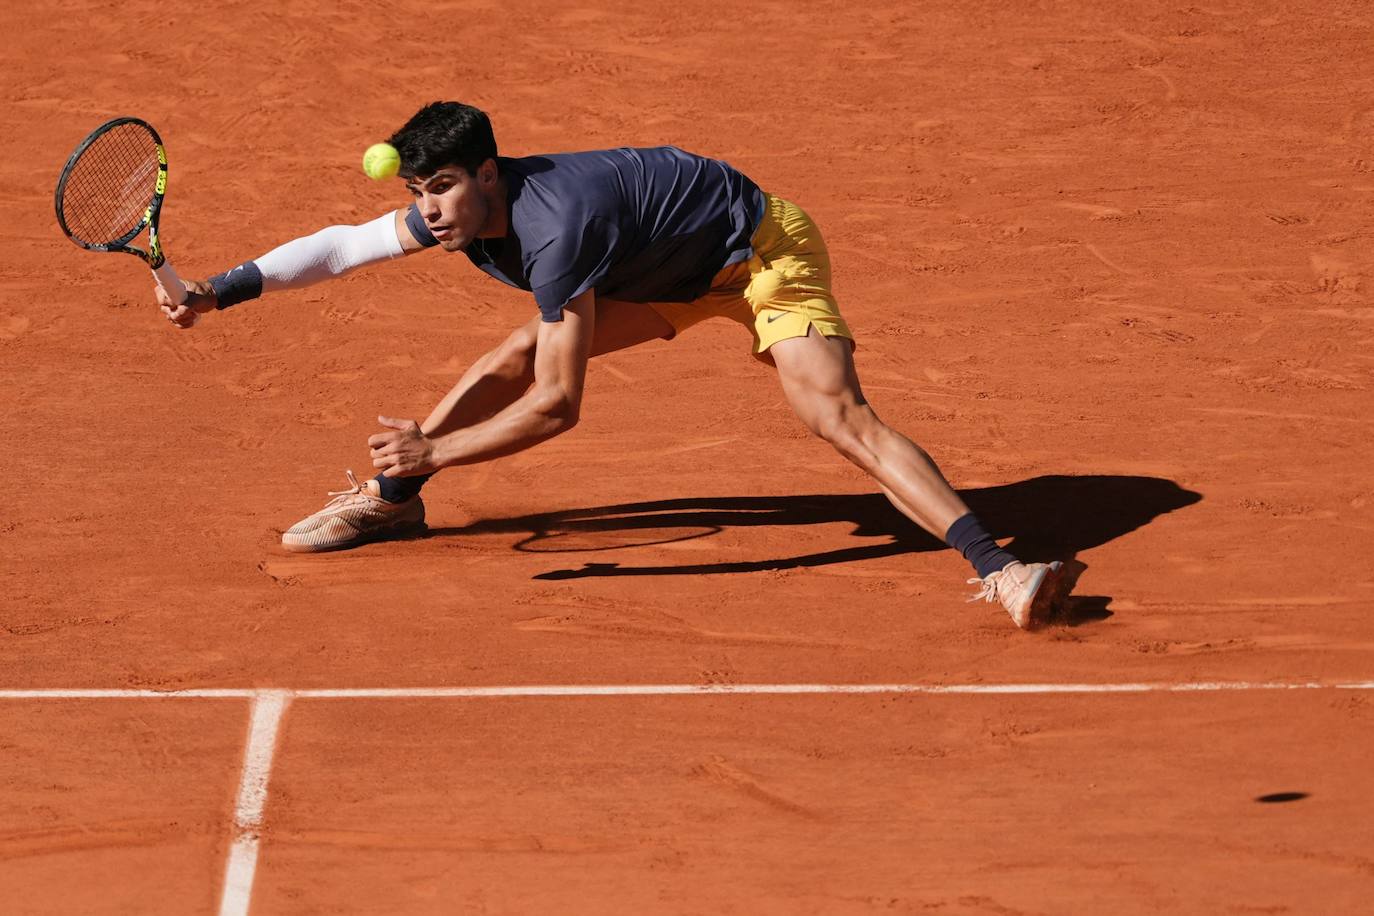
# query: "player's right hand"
{"points": [[200, 298]]}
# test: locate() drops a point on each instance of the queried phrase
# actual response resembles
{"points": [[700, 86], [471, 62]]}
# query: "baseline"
{"points": [[269, 705], [593, 690]]}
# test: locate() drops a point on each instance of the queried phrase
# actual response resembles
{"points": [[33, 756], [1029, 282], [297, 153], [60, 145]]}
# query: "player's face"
{"points": [[453, 204]]}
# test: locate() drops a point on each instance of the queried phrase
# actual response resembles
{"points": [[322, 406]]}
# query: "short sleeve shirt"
{"points": [[638, 225]]}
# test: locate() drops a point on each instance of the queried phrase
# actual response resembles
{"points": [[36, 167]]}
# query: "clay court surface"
{"points": [[1108, 263]]}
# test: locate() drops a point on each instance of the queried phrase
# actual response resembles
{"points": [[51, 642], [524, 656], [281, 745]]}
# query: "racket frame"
{"points": [[154, 257]]}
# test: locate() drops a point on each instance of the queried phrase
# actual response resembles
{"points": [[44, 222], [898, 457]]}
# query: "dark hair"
{"points": [[444, 133]]}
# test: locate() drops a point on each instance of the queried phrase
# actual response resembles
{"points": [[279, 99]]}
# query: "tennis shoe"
{"points": [[355, 516], [1029, 591]]}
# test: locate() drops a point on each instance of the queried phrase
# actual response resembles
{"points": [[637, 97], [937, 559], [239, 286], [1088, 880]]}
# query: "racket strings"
{"points": [[111, 185]]}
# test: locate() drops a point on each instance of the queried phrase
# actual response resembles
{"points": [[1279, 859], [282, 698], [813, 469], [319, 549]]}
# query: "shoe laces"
{"points": [[994, 586], [343, 497]]}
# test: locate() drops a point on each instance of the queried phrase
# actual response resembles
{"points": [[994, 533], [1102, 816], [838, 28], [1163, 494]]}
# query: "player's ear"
{"points": [[487, 172]]}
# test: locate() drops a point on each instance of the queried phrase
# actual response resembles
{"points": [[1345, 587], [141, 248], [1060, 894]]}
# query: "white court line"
{"points": [[592, 690], [83, 693], [268, 707], [597, 690]]}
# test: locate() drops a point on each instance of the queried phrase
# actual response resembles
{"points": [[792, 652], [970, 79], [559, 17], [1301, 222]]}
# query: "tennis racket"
{"points": [[111, 188]]}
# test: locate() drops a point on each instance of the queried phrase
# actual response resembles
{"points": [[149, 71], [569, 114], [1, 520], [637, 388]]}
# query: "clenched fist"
{"points": [[200, 298]]}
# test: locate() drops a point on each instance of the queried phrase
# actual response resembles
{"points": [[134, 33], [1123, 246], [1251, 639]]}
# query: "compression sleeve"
{"points": [[331, 252]]}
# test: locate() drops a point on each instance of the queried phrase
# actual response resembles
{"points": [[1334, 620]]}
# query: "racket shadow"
{"points": [[1048, 517]]}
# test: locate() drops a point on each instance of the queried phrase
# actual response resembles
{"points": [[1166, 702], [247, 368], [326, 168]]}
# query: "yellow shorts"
{"points": [[781, 292]]}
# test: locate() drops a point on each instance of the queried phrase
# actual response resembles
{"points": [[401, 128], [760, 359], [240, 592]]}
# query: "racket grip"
{"points": [[169, 281]]}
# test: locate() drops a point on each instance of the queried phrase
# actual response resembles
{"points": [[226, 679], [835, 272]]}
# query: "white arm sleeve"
{"points": [[331, 252]]}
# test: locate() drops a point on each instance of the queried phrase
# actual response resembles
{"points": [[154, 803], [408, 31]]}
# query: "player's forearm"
{"points": [[331, 252], [538, 416], [550, 407]]}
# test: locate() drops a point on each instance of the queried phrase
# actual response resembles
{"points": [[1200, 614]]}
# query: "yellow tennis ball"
{"points": [[381, 161]]}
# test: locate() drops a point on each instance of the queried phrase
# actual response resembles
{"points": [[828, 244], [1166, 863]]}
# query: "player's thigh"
{"points": [[818, 377], [620, 325]]}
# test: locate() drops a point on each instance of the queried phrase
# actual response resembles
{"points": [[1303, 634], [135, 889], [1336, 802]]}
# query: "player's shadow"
{"points": [[1051, 517]]}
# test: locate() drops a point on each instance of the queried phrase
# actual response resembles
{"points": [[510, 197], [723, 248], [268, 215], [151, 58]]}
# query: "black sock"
{"points": [[968, 537], [399, 489]]}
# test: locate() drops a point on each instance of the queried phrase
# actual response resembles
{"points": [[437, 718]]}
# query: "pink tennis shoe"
{"points": [[355, 516], [1029, 591]]}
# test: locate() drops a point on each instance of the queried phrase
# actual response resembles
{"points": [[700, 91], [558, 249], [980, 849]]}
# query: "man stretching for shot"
{"points": [[619, 247]]}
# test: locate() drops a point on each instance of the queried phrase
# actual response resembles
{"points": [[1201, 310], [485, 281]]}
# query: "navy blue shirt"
{"points": [[639, 225]]}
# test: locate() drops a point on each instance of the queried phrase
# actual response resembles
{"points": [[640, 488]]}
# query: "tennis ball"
{"points": [[381, 161]]}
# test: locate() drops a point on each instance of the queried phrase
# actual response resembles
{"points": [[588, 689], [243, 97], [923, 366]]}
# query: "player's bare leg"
{"points": [[821, 384], [500, 377], [391, 507], [819, 379]]}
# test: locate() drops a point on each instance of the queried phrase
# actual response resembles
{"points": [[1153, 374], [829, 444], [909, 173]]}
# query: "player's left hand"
{"points": [[402, 451]]}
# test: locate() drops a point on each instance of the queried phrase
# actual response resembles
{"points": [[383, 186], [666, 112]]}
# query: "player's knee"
{"points": [[836, 425], [844, 427]]}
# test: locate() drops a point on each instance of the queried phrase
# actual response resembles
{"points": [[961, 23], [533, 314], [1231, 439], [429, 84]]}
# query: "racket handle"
{"points": [[169, 281]]}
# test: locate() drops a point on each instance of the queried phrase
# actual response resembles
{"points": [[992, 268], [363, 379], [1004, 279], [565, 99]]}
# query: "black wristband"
{"points": [[416, 224], [238, 285]]}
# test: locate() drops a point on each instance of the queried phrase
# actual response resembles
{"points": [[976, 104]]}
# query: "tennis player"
{"points": [[618, 247]]}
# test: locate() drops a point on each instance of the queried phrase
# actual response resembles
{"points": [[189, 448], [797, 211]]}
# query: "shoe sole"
{"points": [[1047, 596], [394, 533]]}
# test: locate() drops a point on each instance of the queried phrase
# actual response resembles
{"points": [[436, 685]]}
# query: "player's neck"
{"points": [[498, 213]]}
